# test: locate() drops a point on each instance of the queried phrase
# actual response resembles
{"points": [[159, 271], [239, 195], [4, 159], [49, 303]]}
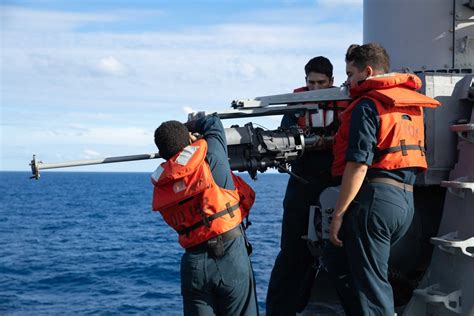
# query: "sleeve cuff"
{"points": [[360, 156]]}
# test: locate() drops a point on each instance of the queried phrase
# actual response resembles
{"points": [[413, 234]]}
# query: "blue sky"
{"points": [[91, 79]]}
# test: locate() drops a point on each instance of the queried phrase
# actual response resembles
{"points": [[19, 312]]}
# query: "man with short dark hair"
{"points": [[205, 203], [378, 150], [318, 72], [293, 273], [171, 137]]}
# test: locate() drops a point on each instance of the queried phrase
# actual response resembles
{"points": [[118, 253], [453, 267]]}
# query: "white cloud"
{"points": [[16, 18], [188, 110], [111, 66], [102, 135], [244, 69], [26, 20], [77, 134]]}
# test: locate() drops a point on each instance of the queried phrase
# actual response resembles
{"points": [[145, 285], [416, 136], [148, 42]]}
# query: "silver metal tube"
{"points": [[36, 166]]}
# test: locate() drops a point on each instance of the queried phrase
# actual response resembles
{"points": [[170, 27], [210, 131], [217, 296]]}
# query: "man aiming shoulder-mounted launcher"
{"points": [[250, 149]]}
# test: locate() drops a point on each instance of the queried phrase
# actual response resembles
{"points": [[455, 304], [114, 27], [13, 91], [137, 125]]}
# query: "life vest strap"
{"points": [[207, 220], [403, 148]]}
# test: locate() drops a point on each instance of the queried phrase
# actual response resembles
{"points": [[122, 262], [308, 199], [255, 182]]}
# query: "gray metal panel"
{"points": [[447, 287], [464, 36], [416, 33], [440, 141], [452, 272]]}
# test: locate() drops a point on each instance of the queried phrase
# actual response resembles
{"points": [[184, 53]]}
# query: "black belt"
{"points": [[398, 184], [228, 235]]}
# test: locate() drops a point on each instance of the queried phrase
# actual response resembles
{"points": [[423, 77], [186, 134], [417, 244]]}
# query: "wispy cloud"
{"points": [[97, 135], [111, 66], [21, 19], [18, 19]]}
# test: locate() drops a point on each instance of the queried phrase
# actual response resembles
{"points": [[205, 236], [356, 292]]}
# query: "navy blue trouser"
{"points": [[379, 216], [294, 260], [219, 286]]}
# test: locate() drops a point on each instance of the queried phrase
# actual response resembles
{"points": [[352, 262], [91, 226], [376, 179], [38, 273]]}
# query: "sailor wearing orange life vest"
{"points": [[378, 151], [200, 198], [293, 272]]}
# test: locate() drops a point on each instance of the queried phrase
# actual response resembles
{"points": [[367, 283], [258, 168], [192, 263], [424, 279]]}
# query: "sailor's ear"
{"points": [[370, 71]]}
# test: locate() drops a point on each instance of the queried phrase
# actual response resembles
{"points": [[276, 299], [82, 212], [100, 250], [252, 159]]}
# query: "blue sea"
{"points": [[88, 243]]}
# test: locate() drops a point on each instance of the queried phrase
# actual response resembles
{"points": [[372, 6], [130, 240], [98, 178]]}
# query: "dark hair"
{"points": [[170, 138], [320, 65], [371, 54]]}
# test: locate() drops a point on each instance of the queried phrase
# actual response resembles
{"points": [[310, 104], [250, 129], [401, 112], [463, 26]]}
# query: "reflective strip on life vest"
{"points": [[186, 155], [157, 173]]}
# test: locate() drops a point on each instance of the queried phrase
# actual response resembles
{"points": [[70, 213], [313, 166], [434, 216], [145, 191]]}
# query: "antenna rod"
{"points": [[36, 166]]}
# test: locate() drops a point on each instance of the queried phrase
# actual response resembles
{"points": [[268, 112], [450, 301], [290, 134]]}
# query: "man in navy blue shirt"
{"points": [[378, 150], [212, 283], [293, 273]]}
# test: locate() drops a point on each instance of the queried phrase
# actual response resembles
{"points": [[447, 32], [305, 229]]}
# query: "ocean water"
{"points": [[88, 243]]}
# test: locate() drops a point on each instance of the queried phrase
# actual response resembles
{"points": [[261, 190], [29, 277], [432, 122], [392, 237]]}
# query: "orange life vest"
{"points": [[192, 203], [323, 118], [400, 138]]}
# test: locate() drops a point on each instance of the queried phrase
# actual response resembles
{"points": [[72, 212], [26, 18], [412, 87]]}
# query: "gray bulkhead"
{"points": [[435, 39]]}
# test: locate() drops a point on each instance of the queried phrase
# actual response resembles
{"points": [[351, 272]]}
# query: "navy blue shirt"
{"points": [[211, 128], [364, 126]]}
